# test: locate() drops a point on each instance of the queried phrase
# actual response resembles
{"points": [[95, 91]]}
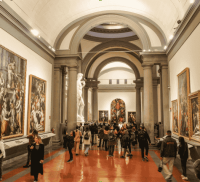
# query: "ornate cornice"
{"points": [[101, 30]]}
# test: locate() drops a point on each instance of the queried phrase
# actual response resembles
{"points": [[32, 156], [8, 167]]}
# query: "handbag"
{"points": [[160, 167]]}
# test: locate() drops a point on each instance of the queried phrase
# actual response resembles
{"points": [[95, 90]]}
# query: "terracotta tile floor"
{"points": [[98, 167]]}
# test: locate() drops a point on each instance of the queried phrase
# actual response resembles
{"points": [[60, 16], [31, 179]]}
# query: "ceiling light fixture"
{"points": [[165, 47], [49, 47], [34, 32], [192, 1], [144, 50], [53, 49], [149, 50], [1, 0], [171, 37]]}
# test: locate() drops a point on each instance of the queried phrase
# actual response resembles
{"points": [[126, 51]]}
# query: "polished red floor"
{"points": [[98, 167]]}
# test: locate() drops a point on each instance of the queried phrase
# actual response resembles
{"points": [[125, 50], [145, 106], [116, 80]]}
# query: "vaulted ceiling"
{"points": [[51, 17]]}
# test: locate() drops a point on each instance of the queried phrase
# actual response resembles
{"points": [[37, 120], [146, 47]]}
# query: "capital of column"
{"points": [[164, 66], [92, 83], [72, 68], [147, 65], [57, 68], [67, 60]]}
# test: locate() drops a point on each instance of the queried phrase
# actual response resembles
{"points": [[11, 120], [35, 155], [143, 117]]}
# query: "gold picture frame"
{"points": [[36, 104], [175, 123], [12, 93]]}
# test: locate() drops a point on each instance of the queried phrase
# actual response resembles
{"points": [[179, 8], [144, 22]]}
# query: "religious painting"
{"points": [[103, 116], [175, 128], [183, 102], [194, 99], [131, 117], [118, 111], [37, 104], [12, 93]]}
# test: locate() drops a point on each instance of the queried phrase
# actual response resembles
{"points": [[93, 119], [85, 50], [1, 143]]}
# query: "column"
{"points": [[165, 93], [138, 106], [155, 100], [148, 100], [86, 103], [72, 99], [64, 73], [95, 103], [57, 91]]}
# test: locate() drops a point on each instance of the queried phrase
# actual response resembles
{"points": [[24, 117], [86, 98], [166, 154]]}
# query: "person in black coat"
{"points": [[144, 142], [125, 143], [69, 143], [183, 152], [37, 158]]}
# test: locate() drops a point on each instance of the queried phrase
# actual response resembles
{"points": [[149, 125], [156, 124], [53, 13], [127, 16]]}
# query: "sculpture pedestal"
{"points": [[80, 120]]}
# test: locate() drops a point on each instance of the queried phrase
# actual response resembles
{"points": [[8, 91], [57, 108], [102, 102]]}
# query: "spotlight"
{"points": [[34, 32], [39, 36], [144, 50], [165, 47], [1, 0], [171, 37], [53, 49], [192, 1], [149, 50], [49, 47]]}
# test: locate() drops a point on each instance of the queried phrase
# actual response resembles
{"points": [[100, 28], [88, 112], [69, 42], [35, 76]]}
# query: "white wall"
{"points": [[187, 56], [36, 65], [105, 99]]}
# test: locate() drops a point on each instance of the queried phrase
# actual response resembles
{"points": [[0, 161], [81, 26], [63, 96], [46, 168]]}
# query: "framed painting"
{"points": [[103, 116], [37, 104], [12, 93], [118, 111], [183, 102], [194, 100], [131, 117], [175, 126]]}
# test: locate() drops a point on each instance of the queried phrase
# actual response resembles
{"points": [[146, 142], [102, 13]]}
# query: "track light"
{"points": [[34, 32]]}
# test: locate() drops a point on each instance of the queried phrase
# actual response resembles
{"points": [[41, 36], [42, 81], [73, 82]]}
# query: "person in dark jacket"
{"points": [[69, 143], [168, 153], [111, 141], [144, 142], [31, 141], [105, 137], [37, 158], [183, 152], [101, 136], [125, 143]]}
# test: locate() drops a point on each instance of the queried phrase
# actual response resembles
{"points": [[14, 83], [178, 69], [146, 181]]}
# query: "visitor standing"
{"points": [[168, 153], [111, 141], [106, 131], [144, 142], [183, 152], [77, 138], [69, 143], [101, 136], [87, 140], [37, 158]]}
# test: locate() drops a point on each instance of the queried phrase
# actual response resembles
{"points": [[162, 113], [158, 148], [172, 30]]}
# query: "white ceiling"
{"points": [[50, 17]]}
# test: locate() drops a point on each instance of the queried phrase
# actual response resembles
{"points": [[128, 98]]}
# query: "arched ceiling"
{"points": [[51, 17]]}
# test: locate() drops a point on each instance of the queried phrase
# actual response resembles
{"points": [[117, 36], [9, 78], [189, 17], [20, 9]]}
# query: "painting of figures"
{"points": [[103, 116], [132, 117], [12, 93], [118, 111], [37, 104], [194, 115], [183, 102], [175, 116]]}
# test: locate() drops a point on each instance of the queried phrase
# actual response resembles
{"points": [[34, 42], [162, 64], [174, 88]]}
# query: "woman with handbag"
{"points": [[2, 155], [183, 152], [37, 158]]}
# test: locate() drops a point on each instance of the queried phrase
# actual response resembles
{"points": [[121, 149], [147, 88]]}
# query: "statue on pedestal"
{"points": [[80, 102]]}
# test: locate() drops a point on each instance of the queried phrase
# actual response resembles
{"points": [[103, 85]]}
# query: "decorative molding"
{"points": [[188, 25], [99, 39], [116, 88], [8, 19], [102, 30]]}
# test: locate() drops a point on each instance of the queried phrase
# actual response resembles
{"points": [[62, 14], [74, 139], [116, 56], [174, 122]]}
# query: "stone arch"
{"points": [[113, 59], [114, 45], [135, 26]]}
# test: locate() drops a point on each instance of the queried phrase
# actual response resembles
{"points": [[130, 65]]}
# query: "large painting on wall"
{"points": [[183, 102], [118, 111], [37, 104], [12, 93], [131, 117], [194, 99], [175, 125], [103, 116]]}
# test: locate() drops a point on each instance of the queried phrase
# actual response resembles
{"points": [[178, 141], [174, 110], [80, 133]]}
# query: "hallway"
{"points": [[97, 167]]}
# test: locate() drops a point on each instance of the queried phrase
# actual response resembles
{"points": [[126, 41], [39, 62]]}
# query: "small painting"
{"points": [[132, 117], [175, 128], [103, 116], [183, 102], [37, 104]]}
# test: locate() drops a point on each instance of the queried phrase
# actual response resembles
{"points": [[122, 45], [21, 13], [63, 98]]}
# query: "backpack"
{"points": [[132, 136], [86, 137], [142, 135], [111, 136]]}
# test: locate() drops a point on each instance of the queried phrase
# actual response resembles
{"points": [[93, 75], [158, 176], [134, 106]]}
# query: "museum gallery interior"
{"points": [[100, 61]]}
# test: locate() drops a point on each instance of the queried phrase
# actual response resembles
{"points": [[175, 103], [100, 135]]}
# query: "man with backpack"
{"points": [[144, 142]]}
